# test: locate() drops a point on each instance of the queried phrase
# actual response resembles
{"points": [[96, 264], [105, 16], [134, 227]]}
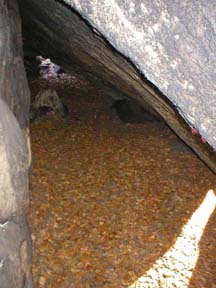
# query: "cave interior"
{"points": [[111, 185]]}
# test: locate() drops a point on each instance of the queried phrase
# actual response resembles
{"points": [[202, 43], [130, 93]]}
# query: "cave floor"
{"points": [[110, 202]]}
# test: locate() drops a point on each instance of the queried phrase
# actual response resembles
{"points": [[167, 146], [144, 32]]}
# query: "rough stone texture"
{"points": [[47, 101], [13, 159], [13, 80], [15, 256], [172, 43], [14, 236], [65, 38]]}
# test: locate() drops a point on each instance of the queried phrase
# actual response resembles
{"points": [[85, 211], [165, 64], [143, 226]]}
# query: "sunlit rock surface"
{"points": [[169, 43], [173, 45]]}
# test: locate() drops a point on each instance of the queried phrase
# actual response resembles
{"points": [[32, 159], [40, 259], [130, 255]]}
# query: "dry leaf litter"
{"points": [[109, 199]]}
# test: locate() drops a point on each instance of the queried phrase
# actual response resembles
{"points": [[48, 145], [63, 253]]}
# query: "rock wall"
{"points": [[13, 82], [138, 30], [15, 244], [172, 43]]}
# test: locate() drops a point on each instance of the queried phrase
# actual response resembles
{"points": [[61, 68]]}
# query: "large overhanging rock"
{"points": [[171, 44]]}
